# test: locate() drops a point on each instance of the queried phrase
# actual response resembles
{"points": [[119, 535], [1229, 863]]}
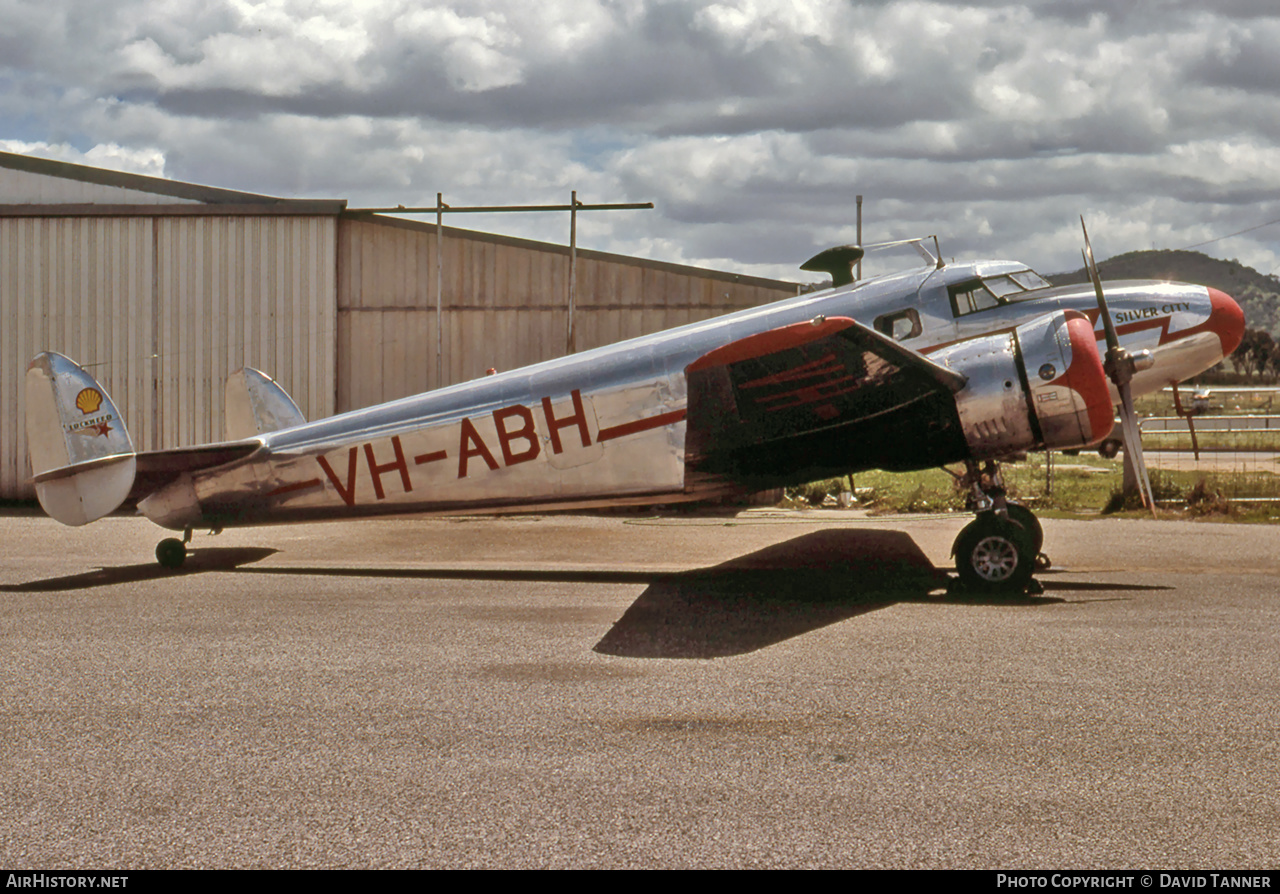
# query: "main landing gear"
{"points": [[999, 550]]}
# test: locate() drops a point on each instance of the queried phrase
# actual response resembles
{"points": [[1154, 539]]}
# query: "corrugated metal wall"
{"points": [[504, 304], [161, 309], [76, 286], [233, 292]]}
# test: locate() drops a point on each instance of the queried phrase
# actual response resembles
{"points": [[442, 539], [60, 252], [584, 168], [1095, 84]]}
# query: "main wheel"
{"points": [[994, 555], [171, 552], [1027, 519]]}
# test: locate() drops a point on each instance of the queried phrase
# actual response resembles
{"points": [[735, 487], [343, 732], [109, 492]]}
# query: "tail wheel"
{"points": [[995, 555], [171, 552]]}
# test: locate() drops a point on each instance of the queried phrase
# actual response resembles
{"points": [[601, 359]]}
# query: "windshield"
{"points": [[992, 291], [1029, 280]]}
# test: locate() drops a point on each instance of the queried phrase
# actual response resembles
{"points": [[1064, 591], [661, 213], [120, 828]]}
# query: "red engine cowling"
{"points": [[1040, 386]]}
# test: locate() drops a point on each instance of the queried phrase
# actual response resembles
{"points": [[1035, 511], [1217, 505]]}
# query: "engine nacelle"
{"points": [[1040, 386]]}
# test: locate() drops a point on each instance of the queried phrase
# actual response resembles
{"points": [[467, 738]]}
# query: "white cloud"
{"points": [[106, 155], [479, 52], [746, 25]]}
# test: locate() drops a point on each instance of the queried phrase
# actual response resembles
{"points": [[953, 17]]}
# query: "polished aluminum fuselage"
{"points": [[608, 426]]}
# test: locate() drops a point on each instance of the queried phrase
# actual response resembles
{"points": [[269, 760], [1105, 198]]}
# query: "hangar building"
{"points": [[161, 289]]}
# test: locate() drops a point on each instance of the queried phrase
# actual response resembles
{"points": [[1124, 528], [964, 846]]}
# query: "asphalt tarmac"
{"points": [[700, 691]]}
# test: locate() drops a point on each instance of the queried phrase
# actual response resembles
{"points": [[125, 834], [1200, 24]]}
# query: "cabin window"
{"points": [[971, 296], [901, 325]]}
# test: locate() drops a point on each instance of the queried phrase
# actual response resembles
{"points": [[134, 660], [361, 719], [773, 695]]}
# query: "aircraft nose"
{"points": [[1227, 319]]}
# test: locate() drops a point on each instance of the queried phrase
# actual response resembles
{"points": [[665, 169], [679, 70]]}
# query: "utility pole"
{"points": [[859, 276], [441, 208]]}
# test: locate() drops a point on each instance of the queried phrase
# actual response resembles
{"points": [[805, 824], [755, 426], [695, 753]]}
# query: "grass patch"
{"points": [[1078, 485], [1255, 403], [1262, 440]]}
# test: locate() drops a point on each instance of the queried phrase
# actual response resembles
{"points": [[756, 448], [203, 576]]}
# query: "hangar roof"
{"points": [[42, 186]]}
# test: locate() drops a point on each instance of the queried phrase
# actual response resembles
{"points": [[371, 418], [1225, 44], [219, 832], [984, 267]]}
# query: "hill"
{"points": [[1257, 294]]}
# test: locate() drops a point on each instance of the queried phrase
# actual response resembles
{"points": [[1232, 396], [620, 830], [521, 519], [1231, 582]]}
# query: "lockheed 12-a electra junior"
{"points": [[957, 363]]}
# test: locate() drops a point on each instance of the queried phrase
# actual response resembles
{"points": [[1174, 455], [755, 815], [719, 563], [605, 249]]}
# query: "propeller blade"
{"points": [[1120, 365], [1133, 448], [1113, 340]]}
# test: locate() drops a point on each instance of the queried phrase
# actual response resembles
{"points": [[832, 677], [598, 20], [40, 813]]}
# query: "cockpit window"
{"points": [[1003, 286], [1029, 280], [992, 291]]}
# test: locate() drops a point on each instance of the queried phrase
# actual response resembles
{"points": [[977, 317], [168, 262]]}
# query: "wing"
{"points": [[816, 399]]}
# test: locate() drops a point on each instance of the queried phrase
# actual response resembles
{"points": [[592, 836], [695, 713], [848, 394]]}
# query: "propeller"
{"points": [[1120, 366]]}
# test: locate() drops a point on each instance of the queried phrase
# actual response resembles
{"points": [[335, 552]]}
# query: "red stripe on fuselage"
{"points": [[631, 428], [290, 488], [1161, 323]]}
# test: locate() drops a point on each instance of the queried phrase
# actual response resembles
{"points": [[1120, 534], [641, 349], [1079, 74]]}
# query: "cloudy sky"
{"points": [[751, 124]]}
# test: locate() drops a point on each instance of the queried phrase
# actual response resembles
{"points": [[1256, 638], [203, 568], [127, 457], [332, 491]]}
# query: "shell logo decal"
{"points": [[88, 400]]}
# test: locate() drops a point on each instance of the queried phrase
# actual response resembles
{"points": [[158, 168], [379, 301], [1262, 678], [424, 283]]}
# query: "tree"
{"points": [[1251, 356], [1261, 351]]}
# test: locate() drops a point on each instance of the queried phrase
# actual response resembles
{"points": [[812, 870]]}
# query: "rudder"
{"points": [[82, 460], [256, 404]]}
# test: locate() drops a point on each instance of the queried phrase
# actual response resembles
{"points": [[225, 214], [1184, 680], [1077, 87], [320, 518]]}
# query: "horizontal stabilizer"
{"points": [[82, 459], [256, 404], [157, 468]]}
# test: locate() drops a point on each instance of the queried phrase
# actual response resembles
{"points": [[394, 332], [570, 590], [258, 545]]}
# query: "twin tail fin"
{"points": [[82, 460]]}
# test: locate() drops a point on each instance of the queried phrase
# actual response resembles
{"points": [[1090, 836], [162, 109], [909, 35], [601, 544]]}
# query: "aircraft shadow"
{"points": [[497, 574], [1085, 585], [199, 561], [741, 605], [774, 594], [779, 592], [791, 588]]}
